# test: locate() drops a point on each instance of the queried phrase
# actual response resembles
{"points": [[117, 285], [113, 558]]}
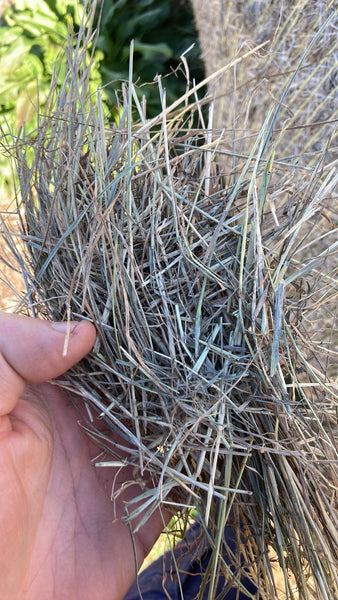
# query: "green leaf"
{"points": [[9, 35], [153, 51], [109, 9], [41, 24], [137, 24]]}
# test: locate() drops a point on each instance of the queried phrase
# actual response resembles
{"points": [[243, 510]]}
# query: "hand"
{"points": [[61, 537]]}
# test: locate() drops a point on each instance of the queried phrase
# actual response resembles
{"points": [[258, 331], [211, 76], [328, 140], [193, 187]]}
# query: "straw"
{"points": [[200, 292]]}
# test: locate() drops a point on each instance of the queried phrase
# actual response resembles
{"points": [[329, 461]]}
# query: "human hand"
{"points": [[61, 537]]}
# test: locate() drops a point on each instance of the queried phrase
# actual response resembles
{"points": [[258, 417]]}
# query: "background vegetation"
{"points": [[162, 31], [34, 31]]}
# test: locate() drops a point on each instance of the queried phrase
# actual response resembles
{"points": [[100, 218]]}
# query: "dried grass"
{"points": [[200, 289], [243, 95]]}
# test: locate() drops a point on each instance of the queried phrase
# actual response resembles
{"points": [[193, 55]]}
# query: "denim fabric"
{"points": [[160, 581]]}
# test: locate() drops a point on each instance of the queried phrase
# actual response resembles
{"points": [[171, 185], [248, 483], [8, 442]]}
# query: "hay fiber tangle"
{"points": [[203, 287], [226, 27]]}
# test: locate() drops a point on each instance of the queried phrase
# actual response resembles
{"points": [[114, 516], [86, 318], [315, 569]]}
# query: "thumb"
{"points": [[34, 348]]}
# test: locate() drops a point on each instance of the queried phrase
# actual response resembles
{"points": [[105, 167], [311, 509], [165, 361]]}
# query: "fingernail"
{"points": [[64, 326]]}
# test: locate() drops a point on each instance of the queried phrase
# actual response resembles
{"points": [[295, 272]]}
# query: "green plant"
{"points": [[34, 31], [32, 34], [162, 31]]}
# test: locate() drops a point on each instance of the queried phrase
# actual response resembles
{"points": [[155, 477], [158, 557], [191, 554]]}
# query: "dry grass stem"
{"points": [[203, 288]]}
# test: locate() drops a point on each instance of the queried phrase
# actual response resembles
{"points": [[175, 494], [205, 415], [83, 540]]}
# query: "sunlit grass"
{"points": [[200, 285]]}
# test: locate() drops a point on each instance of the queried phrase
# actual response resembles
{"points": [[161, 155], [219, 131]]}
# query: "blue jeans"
{"points": [[160, 581]]}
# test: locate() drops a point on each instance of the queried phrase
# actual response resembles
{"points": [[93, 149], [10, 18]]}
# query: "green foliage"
{"points": [[32, 35], [33, 32], [162, 31]]}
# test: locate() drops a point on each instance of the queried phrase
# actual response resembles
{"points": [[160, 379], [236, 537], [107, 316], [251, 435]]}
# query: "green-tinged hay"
{"points": [[201, 290]]}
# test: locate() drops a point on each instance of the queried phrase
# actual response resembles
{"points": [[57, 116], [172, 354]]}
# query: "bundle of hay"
{"points": [[243, 95], [201, 290]]}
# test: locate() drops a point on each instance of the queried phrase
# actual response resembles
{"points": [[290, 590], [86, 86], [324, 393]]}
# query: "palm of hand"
{"points": [[61, 537]]}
